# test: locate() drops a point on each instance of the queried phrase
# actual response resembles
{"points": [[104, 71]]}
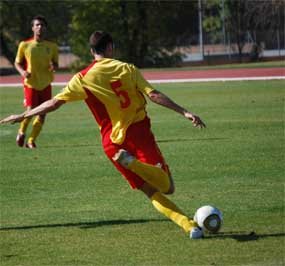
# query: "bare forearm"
{"points": [[19, 68], [161, 99], [44, 108]]}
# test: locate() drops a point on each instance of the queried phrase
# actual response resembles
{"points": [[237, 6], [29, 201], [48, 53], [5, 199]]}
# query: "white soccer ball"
{"points": [[209, 218]]}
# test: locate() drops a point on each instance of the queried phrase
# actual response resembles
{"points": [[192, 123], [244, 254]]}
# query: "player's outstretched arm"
{"points": [[46, 107], [160, 98]]}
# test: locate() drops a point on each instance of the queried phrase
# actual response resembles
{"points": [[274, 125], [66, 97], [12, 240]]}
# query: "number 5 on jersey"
{"points": [[123, 95]]}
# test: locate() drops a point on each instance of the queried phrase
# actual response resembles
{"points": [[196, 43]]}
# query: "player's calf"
{"points": [[152, 174]]}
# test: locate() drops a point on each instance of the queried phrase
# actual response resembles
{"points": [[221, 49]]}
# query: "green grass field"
{"points": [[64, 204]]}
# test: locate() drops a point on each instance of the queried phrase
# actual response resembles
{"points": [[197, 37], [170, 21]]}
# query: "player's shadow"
{"points": [[84, 225], [238, 236], [158, 141], [188, 139], [243, 236]]}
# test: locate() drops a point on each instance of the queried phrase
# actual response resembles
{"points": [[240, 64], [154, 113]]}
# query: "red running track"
{"points": [[180, 74]]}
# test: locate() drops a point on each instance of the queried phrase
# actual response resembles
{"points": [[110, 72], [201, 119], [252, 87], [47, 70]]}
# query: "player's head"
{"points": [[39, 25], [41, 19], [101, 43]]}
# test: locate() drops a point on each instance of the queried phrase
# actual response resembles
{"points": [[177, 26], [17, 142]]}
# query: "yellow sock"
{"points": [[37, 127], [170, 210], [153, 175], [24, 125]]}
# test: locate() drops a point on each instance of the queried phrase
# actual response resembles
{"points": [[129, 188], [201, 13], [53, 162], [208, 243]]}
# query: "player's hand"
{"points": [[53, 67], [26, 74], [12, 119], [196, 120]]}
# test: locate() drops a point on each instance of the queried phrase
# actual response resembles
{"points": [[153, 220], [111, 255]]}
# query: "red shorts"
{"points": [[139, 142], [33, 98]]}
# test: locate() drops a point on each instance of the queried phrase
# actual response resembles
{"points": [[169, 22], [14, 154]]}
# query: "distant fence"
{"points": [[212, 51]]}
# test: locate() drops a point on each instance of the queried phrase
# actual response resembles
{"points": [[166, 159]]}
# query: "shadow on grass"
{"points": [[243, 236], [158, 141], [188, 140], [83, 225]]}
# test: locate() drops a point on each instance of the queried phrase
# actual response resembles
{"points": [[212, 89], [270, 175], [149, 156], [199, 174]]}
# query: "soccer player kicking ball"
{"points": [[114, 92], [36, 61]]}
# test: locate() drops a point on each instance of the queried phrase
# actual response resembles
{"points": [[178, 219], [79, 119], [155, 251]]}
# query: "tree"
{"points": [[236, 24], [254, 16], [212, 20], [145, 32], [267, 16], [254, 20]]}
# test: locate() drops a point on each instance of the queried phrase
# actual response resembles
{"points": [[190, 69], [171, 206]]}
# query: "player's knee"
{"points": [[148, 190], [171, 189]]}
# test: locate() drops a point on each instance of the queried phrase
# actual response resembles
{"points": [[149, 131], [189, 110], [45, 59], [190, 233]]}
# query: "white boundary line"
{"points": [[170, 80]]}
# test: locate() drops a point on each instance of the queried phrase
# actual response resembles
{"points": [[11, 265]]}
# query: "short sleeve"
{"points": [[142, 84], [74, 90], [20, 53]]}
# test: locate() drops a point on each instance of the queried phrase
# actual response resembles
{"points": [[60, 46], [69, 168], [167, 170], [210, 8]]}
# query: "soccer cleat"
{"points": [[196, 233], [123, 158], [20, 139], [31, 145]]}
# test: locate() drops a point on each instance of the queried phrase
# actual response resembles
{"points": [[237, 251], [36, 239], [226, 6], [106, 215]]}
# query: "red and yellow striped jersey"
{"points": [[113, 90], [37, 57]]}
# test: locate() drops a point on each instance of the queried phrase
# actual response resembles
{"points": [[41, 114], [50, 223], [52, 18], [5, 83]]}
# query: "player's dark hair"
{"points": [[40, 18], [99, 40]]}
